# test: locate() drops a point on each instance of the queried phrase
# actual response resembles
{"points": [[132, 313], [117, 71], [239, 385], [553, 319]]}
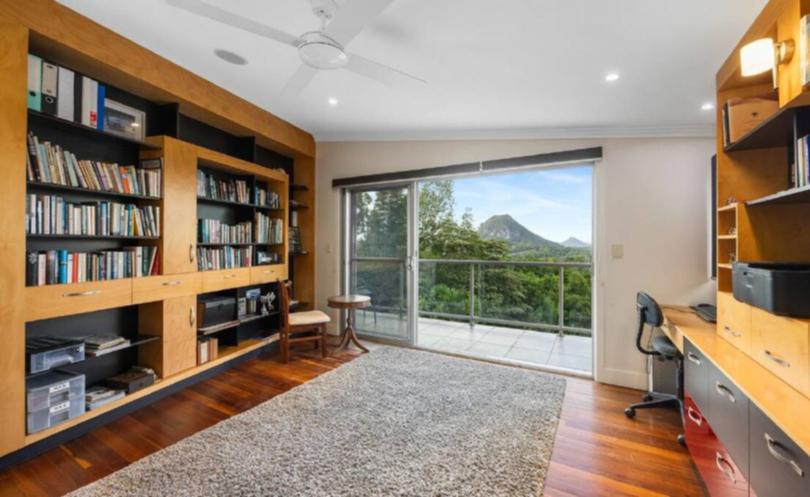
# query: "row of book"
{"points": [[265, 198], [230, 190], [49, 163], [207, 350], [801, 166], [215, 231], [270, 231], [53, 267], [54, 215], [209, 259]]}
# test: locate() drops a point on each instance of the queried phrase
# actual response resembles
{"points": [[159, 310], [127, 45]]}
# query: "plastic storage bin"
{"points": [[50, 389], [48, 353], [778, 288], [55, 414]]}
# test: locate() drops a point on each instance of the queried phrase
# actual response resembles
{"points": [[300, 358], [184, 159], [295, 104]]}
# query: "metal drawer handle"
{"points": [[773, 447], [724, 391], [735, 334], [693, 357], [267, 271], [191, 253], [777, 359], [694, 416], [725, 467], [82, 294], [229, 276], [191, 317], [172, 283]]}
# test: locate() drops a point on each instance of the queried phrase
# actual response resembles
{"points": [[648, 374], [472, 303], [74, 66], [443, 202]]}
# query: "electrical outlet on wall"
{"points": [[617, 251]]}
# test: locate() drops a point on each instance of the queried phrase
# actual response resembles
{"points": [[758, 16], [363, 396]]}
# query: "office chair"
{"points": [[649, 313]]}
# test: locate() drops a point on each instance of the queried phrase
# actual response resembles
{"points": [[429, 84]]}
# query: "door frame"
{"points": [[411, 259]]}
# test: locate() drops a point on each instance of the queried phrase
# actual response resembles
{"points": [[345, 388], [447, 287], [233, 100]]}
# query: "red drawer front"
{"points": [[719, 472]]}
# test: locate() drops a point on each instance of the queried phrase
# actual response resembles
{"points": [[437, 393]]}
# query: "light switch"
{"points": [[328, 248], [617, 251]]}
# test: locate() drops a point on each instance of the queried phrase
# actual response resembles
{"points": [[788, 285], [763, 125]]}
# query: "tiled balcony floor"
{"points": [[492, 342]]}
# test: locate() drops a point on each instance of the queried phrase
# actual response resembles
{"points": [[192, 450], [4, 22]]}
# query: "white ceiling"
{"points": [[495, 68]]}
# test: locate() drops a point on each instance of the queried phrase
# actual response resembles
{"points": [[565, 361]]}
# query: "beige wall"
{"points": [[651, 197]]}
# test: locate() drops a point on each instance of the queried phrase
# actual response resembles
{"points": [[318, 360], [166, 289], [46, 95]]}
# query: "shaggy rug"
{"points": [[394, 422]]}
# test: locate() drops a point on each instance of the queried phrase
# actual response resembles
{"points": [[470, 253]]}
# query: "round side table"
{"points": [[349, 303]]}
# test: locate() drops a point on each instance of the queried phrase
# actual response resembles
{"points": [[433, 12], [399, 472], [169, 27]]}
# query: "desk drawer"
{"points": [[267, 274], [782, 345], [213, 281], [43, 302], [696, 374], [728, 410], [155, 288], [734, 321], [779, 468]]}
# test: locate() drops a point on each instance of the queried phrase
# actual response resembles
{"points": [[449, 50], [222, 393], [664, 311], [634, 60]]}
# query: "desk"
{"points": [[784, 405]]}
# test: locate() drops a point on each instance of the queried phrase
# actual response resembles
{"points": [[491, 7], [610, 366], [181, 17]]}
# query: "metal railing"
{"points": [[475, 289]]}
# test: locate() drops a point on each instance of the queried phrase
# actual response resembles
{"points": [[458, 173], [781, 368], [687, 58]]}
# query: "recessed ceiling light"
{"points": [[611, 77], [332, 101], [707, 106], [230, 57]]}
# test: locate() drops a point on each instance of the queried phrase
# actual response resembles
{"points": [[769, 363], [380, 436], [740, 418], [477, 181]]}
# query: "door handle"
{"points": [[693, 358], [724, 391], [694, 416], [172, 283], [229, 276], [82, 294], [773, 447], [777, 358], [725, 467]]}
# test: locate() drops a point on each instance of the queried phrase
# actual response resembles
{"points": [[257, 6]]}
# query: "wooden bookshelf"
{"points": [[184, 114]]}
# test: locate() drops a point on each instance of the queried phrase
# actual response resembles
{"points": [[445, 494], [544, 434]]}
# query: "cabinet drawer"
{"points": [[42, 302], [779, 468], [782, 346], [728, 411], [267, 274], [154, 288], [224, 279], [734, 321], [696, 374]]}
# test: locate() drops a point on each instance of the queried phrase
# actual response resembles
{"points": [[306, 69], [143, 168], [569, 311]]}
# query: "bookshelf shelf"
{"points": [[206, 200], [724, 266], [297, 187], [726, 237], [36, 185], [296, 206], [727, 208], [91, 237], [799, 195], [40, 117], [300, 253], [776, 131], [135, 342]]}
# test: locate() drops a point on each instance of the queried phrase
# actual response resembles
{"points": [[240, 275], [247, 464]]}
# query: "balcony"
{"points": [[529, 312]]}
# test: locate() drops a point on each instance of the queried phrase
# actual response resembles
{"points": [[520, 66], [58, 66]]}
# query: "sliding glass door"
{"points": [[380, 259]]}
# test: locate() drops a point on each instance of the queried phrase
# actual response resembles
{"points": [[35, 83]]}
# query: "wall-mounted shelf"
{"points": [[726, 237], [775, 131], [80, 128], [724, 266], [727, 207], [799, 195]]}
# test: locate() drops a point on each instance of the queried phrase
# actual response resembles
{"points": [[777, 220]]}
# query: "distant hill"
{"points": [[575, 243], [504, 227]]}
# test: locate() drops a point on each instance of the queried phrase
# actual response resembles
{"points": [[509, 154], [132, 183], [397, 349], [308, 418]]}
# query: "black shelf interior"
{"points": [[249, 326], [776, 131], [37, 118]]}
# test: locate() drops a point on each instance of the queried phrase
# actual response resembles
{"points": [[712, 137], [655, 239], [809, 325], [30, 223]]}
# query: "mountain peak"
{"points": [[504, 227], [575, 243]]}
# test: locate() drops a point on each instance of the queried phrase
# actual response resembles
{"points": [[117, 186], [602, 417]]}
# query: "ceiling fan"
{"points": [[319, 50]]}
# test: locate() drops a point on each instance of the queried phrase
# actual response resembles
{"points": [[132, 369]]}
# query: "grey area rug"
{"points": [[394, 422]]}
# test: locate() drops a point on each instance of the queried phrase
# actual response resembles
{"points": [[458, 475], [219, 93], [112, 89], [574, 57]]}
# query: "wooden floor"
{"points": [[598, 452]]}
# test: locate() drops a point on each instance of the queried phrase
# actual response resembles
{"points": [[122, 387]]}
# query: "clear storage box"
{"points": [[55, 414], [48, 353], [47, 390]]}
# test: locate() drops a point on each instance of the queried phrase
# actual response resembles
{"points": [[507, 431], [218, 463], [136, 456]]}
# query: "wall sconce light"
{"points": [[764, 55]]}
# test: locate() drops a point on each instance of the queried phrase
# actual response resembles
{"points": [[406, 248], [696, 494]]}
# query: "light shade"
{"points": [[757, 57], [321, 52]]}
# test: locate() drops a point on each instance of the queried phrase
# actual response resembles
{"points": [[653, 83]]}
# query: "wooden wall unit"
{"points": [[165, 305]]}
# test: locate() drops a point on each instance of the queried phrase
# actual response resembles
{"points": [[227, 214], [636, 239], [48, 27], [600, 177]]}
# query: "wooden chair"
{"points": [[295, 323]]}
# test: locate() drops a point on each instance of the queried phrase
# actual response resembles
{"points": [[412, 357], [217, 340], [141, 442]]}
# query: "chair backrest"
{"points": [[284, 303], [649, 313]]}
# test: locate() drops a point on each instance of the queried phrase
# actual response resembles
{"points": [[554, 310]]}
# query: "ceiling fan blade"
{"points": [[352, 17], [382, 73], [223, 16], [300, 80]]}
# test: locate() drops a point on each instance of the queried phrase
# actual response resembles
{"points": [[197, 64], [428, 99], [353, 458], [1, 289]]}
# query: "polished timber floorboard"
{"points": [[598, 452]]}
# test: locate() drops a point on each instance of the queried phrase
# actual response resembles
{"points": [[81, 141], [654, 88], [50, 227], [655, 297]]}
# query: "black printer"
{"points": [[777, 287]]}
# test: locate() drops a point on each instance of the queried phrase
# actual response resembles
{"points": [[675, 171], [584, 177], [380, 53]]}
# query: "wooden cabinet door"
{"points": [[179, 208], [175, 321]]}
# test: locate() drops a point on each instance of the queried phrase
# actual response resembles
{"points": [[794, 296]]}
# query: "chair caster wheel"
{"points": [[630, 412], [647, 397], [682, 440]]}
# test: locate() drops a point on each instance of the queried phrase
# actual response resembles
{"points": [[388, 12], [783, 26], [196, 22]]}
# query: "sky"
{"points": [[553, 203]]}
